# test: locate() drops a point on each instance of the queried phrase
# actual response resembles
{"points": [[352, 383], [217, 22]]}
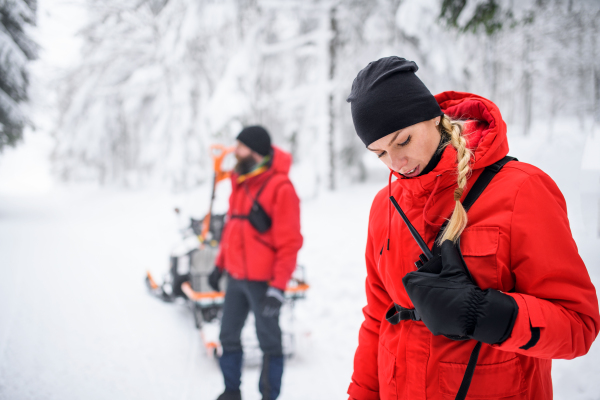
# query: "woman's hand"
{"points": [[450, 304]]}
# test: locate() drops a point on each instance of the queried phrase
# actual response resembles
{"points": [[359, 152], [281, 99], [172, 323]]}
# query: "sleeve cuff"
{"points": [[530, 316], [276, 293], [278, 285], [358, 393]]}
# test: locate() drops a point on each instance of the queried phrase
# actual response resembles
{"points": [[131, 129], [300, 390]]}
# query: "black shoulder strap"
{"points": [[468, 376], [484, 180], [263, 186], [254, 199], [478, 187], [397, 313], [259, 190]]}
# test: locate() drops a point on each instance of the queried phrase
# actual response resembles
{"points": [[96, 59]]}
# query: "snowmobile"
{"points": [[193, 259]]}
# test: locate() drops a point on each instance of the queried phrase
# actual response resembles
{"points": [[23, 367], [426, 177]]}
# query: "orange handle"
{"points": [[218, 153]]}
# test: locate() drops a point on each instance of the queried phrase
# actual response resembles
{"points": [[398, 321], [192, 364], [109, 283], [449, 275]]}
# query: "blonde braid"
{"points": [[458, 220]]}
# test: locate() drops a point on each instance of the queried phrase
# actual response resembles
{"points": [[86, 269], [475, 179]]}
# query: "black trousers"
{"points": [[241, 297]]}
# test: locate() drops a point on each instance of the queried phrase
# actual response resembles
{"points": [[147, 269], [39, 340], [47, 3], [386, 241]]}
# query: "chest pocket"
{"points": [[479, 247]]}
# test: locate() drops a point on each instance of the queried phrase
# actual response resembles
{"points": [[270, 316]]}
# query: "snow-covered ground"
{"points": [[76, 321]]}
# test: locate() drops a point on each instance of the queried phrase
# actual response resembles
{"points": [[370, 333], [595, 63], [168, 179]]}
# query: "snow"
{"points": [[591, 155], [590, 183], [158, 82], [77, 321], [27, 170]]}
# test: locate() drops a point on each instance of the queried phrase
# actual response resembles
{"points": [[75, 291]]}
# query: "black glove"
{"points": [[273, 302], [214, 278], [451, 304]]}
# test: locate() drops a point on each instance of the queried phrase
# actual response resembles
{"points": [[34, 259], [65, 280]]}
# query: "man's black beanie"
{"points": [[387, 96], [256, 138]]}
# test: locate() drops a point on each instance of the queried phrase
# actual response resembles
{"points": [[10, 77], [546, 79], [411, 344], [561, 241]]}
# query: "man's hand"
{"points": [[214, 278], [273, 302], [451, 304]]}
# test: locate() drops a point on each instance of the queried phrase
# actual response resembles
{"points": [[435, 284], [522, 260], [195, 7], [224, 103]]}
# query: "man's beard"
{"points": [[245, 165]]}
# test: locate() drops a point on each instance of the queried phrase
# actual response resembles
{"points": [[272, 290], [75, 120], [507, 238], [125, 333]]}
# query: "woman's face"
{"points": [[408, 150]]}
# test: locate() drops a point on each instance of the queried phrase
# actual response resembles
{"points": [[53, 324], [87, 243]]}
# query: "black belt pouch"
{"points": [[258, 218]]}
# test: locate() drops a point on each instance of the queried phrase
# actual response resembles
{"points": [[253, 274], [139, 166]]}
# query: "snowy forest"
{"points": [[159, 80], [108, 109], [16, 50]]}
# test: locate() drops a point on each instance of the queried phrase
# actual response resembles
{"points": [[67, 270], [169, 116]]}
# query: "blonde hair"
{"points": [[453, 131]]}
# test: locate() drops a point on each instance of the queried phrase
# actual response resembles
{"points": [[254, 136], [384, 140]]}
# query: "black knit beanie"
{"points": [[387, 96], [256, 138]]}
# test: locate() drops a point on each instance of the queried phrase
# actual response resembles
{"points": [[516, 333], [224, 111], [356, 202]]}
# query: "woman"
{"points": [[522, 290]]}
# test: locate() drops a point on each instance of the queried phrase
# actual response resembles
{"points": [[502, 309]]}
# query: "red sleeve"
{"points": [[220, 260], [287, 239], [553, 288], [365, 381]]}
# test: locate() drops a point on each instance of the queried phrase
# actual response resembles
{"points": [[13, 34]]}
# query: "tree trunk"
{"points": [[582, 79], [596, 69], [597, 94], [333, 43], [527, 85], [492, 65]]}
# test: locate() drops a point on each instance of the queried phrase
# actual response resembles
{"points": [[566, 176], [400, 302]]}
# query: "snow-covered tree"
{"points": [[131, 111], [16, 50], [540, 57], [161, 79]]}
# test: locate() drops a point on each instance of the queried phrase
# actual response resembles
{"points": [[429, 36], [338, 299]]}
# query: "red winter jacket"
{"points": [[517, 239], [271, 256]]}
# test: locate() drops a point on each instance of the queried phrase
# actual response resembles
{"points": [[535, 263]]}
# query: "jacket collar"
{"points": [[262, 167], [280, 163], [485, 131]]}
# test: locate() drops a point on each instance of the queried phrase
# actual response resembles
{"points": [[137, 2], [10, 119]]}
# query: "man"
{"points": [[258, 250]]}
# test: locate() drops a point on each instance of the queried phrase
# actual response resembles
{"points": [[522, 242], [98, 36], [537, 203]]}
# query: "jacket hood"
{"points": [[282, 161], [485, 130]]}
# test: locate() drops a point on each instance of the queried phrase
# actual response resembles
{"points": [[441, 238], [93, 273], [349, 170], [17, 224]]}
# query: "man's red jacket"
{"points": [[517, 241], [270, 256]]}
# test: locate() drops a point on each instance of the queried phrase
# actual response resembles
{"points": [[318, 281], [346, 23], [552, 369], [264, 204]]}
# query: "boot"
{"points": [[230, 395], [270, 377], [231, 366]]}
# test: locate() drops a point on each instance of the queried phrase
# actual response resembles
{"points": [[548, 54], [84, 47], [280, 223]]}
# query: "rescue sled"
{"points": [[193, 259]]}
